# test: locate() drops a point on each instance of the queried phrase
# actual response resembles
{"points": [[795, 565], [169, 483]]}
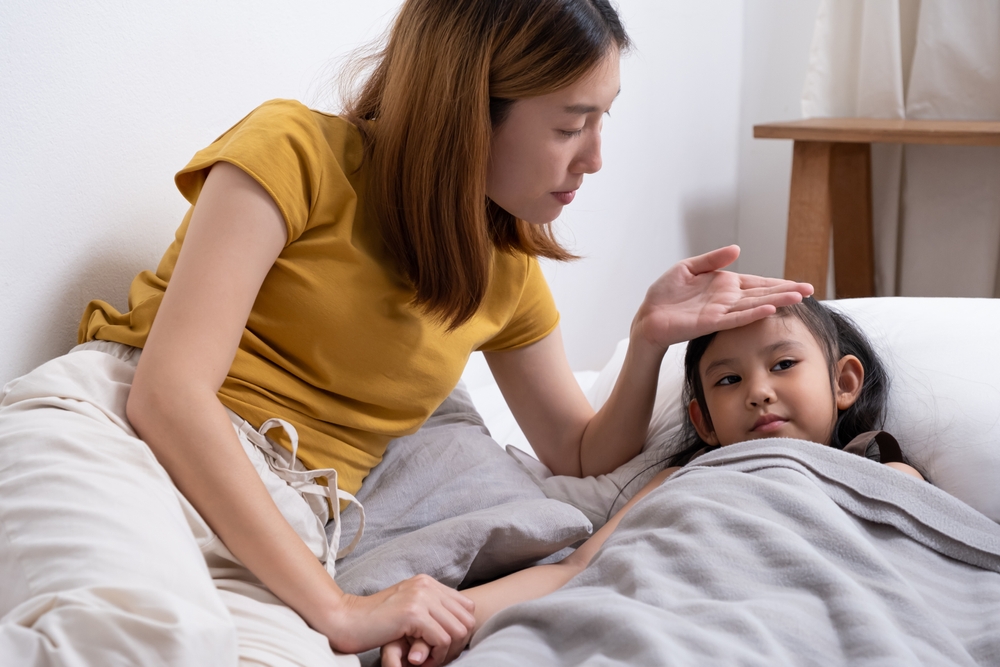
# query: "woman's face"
{"points": [[541, 151], [771, 379]]}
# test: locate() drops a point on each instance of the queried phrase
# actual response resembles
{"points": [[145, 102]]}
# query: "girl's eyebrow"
{"points": [[717, 363], [777, 346]]}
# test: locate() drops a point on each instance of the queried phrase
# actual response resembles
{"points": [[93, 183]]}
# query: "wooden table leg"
{"points": [[851, 203], [810, 221], [831, 195]]}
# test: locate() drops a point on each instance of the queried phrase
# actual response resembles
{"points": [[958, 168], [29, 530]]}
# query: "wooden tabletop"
{"points": [[884, 130]]}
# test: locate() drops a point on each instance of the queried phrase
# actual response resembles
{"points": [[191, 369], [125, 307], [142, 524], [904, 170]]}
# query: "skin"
{"points": [[775, 370], [235, 235], [547, 144], [770, 379]]}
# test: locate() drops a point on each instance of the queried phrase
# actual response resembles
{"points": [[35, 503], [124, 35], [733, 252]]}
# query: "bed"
{"points": [[775, 552]]}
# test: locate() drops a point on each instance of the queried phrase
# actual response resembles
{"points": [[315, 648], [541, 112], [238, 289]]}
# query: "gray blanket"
{"points": [[775, 552]]}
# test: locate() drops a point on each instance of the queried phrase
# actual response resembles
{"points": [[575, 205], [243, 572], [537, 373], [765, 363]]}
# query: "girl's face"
{"points": [[541, 151], [770, 379]]}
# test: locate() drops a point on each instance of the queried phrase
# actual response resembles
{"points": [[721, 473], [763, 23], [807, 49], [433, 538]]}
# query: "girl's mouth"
{"points": [[768, 422]]}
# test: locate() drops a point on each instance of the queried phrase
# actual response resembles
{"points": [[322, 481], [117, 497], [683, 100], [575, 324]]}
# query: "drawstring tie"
{"points": [[295, 474]]}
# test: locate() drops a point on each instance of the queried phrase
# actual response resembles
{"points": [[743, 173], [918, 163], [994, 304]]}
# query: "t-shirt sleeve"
{"points": [[535, 316], [278, 145]]}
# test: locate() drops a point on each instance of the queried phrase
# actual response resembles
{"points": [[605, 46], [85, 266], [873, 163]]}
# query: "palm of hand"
{"points": [[695, 297]]}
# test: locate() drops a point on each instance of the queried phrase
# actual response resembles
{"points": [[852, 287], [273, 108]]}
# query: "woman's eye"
{"points": [[728, 380], [783, 365], [571, 133]]}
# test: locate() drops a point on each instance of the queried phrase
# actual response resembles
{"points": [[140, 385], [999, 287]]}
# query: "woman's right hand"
{"points": [[419, 608]]}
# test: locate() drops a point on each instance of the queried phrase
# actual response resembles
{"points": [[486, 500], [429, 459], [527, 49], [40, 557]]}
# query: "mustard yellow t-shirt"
{"points": [[333, 344]]}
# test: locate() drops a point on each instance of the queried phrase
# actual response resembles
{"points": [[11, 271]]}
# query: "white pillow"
{"points": [[943, 360]]}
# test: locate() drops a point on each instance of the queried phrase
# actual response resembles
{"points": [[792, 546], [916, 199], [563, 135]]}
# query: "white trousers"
{"points": [[102, 561]]}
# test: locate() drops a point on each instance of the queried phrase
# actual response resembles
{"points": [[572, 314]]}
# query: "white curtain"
{"points": [[936, 208]]}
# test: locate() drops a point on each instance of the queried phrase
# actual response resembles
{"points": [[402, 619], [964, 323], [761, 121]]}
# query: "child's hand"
{"points": [[407, 652], [695, 297]]}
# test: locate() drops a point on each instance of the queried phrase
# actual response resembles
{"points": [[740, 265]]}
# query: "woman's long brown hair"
{"points": [[445, 79]]}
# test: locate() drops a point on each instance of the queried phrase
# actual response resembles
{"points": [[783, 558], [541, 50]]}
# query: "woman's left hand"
{"points": [[695, 297]]}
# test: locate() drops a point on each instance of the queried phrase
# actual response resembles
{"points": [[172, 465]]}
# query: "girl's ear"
{"points": [[850, 379], [700, 422]]}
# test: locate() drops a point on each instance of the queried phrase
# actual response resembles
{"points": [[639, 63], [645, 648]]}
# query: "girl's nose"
{"points": [[759, 393]]}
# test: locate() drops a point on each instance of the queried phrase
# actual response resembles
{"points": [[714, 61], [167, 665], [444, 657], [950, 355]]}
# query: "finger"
{"points": [[461, 612], [744, 317], [458, 632], [766, 291], [434, 635], [464, 600], [439, 653], [419, 651], [714, 260], [776, 300], [392, 653], [750, 281]]}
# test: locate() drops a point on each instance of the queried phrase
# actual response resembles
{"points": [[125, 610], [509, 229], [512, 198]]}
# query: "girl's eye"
{"points": [[728, 380], [571, 133], [783, 365]]}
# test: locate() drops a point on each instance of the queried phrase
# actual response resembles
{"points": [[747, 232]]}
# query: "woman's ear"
{"points": [[850, 379], [701, 424]]}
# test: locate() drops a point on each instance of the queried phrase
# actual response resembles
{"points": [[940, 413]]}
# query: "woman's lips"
{"points": [[564, 198], [768, 423]]}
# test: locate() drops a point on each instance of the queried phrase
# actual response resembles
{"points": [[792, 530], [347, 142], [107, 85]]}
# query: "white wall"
{"points": [[669, 184], [103, 102], [776, 39]]}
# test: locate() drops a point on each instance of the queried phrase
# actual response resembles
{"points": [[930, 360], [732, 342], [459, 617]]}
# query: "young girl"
{"points": [[327, 286], [805, 372]]}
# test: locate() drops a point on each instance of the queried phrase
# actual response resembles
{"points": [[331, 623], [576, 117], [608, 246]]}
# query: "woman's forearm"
{"points": [[617, 432], [192, 437]]}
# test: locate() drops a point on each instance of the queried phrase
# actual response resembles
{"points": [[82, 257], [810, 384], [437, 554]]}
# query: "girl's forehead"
{"points": [[761, 335]]}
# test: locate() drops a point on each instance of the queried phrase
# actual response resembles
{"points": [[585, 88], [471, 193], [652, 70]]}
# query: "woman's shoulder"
{"points": [[285, 120], [301, 157]]}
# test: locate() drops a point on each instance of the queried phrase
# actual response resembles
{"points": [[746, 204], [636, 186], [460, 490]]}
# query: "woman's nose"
{"points": [[588, 160]]}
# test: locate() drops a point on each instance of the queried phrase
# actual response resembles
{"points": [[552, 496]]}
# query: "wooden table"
{"points": [[831, 190]]}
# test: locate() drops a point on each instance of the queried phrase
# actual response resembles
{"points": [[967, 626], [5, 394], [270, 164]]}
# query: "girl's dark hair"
{"points": [[837, 336], [446, 78]]}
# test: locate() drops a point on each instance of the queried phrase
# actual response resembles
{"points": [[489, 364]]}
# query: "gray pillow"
{"points": [[449, 502]]}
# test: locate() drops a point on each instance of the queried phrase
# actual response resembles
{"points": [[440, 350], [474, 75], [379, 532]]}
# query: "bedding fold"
{"points": [[773, 552]]}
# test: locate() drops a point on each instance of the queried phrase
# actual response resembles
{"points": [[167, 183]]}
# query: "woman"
{"points": [[330, 280]]}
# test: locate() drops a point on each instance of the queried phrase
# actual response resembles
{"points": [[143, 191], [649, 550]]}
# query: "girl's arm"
{"points": [[528, 584], [235, 234], [691, 299]]}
